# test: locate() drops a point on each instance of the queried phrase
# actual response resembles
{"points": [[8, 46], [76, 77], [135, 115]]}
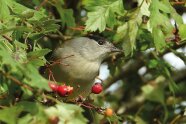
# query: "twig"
{"points": [[42, 4], [51, 98], [58, 61], [157, 121], [91, 106], [7, 38], [79, 28], [53, 63], [16, 81], [55, 36], [178, 3], [176, 119]]}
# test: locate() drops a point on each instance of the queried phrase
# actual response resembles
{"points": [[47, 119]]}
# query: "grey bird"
{"points": [[80, 60]]}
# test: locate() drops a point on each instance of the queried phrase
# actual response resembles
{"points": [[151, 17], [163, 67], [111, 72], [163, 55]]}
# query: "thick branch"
{"points": [[139, 99], [134, 65]]}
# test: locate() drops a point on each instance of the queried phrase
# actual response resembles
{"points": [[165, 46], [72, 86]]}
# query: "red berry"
{"points": [[97, 88], [53, 86], [62, 90]]}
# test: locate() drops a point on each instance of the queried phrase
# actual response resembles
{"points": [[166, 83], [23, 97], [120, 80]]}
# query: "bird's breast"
{"points": [[78, 69]]}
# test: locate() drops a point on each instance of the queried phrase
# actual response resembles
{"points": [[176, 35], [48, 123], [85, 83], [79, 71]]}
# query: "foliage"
{"points": [[29, 30]]}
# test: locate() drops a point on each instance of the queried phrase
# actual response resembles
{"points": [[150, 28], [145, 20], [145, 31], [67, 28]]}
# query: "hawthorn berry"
{"points": [[53, 86], [64, 90], [97, 88], [108, 112]]}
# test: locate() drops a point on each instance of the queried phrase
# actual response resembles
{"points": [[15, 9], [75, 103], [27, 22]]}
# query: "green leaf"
{"points": [[35, 116], [15, 60], [101, 16], [66, 16], [30, 107], [182, 30], [73, 113], [33, 78], [26, 119], [17, 28], [96, 20], [10, 115], [144, 9], [153, 63], [4, 10], [121, 32], [160, 19], [37, 62], [172, 11], [159, 39], [154, 92], [25, 12], [38, 53], [127, 33]]}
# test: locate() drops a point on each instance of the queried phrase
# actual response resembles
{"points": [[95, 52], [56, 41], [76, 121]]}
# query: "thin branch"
{"points": [[42, 4], [52, 98], [178, 3], [60, 36], [7, 38], [16, 81], [176, 119]]}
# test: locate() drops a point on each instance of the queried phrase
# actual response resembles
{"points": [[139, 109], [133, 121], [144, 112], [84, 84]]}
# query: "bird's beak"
{"points": [[114, 49]]}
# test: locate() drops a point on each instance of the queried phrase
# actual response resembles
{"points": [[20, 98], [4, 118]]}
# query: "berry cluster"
{"points": [[62, 90]]}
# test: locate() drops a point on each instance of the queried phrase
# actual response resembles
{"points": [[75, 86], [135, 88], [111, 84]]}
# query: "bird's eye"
{"points": [[101, 42]]}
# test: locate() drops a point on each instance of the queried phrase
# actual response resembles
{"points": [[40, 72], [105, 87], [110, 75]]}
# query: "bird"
{"points": [[80, 60]]}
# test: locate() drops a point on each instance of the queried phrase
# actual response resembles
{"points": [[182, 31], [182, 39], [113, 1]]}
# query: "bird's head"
{"points": [[94, 48]]}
